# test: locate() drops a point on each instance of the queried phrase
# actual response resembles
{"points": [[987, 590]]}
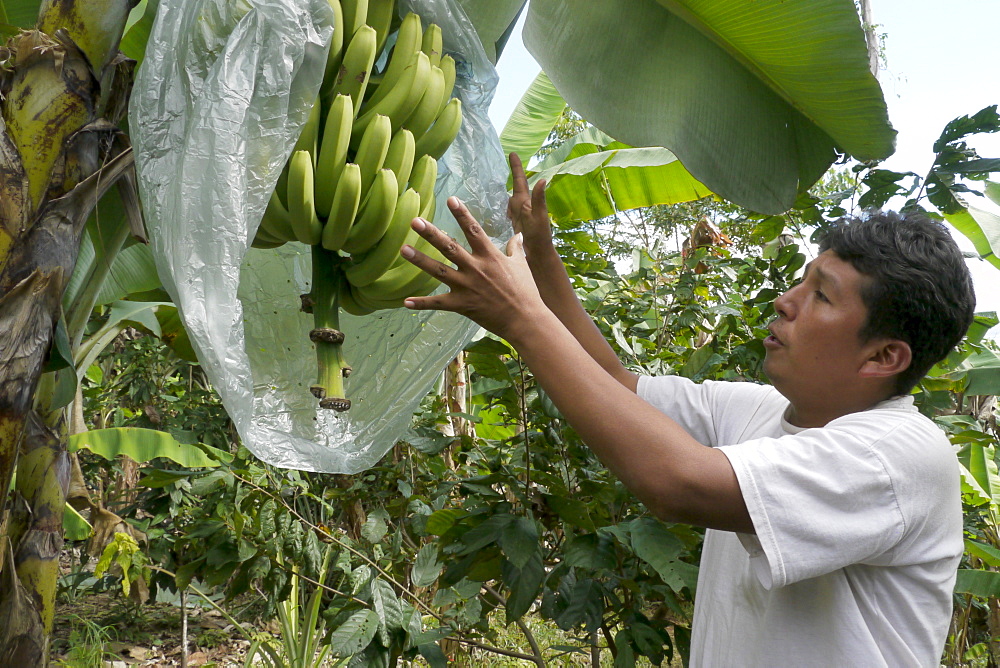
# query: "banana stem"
{"points": [[326, 334]]}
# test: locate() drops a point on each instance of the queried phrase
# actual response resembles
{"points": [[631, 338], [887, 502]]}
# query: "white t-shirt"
{"points": [[858, 532]]}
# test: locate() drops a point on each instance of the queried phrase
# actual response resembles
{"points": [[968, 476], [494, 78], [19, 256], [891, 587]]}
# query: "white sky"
{"points": [[941, 62]]}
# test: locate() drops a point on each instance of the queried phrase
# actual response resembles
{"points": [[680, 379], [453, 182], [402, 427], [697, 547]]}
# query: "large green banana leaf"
{"points": [[594, 183], [983, 230], [16, 14], [590, 175], [533, 118], [494, 21], [754, 98], [985, 584], [144, 445]]}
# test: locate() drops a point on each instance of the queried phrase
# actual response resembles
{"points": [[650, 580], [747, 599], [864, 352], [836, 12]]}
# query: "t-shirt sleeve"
{"points": [[698, 406], [819, 500]]}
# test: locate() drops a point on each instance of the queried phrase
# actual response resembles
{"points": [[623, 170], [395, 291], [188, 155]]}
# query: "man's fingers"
{"points": [[474, 232], [538, 206], [432, 303], [517, 174], [451, 249], [439, 270]]}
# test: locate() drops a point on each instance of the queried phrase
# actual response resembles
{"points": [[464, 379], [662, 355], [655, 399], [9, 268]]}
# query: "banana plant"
{"points": [[755, 114], [63, 93]]}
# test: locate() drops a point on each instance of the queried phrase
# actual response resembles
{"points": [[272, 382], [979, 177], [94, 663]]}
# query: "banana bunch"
{"points": [[364, 166]]}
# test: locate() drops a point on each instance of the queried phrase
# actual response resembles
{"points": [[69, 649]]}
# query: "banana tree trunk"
{"points": [[63, 89]]}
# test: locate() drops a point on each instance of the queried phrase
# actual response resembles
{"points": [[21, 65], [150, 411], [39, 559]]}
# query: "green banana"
{"points": [[400, 102], [357, 66], [263, 239], [375, 262], [380, 16], [372, 150], [336, 54], [448, 67], [427, 109], [437, 140], [258, 242], [276, 221], [408, 39], [355, 15], [333, 151], [405, 280], [301, 199], [348, 303], [375, 215], [423, 178], [344, 209], [399, 157], [433, 43]]}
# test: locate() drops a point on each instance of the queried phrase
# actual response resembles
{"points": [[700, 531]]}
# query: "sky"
{"points": [[941, 62]]}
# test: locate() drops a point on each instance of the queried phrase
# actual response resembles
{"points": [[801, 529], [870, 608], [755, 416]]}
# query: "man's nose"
{"points": [[784, 305]]}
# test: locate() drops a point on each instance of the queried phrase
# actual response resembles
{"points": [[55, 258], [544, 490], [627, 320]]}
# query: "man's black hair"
{"points": [[919, 289]]}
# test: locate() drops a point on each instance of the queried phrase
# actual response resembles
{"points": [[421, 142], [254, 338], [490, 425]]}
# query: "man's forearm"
{"points": [[557, 292]]}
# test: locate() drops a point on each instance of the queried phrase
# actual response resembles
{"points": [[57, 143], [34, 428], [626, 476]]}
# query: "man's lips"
{"points": [[772, 340]]}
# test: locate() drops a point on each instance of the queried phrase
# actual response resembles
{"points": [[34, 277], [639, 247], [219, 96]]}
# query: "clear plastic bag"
{"points": [[218, 102]]}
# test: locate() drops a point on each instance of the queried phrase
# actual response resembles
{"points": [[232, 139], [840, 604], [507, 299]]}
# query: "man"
{"points": [[832, 505]]}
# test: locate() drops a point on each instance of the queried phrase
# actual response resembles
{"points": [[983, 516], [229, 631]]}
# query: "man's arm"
{"points": [[676, 477], [529, 215]]}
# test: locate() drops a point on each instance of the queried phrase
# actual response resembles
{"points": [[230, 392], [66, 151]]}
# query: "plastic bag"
{"points": [[218, 102]]}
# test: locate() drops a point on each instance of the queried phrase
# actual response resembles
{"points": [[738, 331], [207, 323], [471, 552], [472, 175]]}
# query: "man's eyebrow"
{"points": [[825, 277]]}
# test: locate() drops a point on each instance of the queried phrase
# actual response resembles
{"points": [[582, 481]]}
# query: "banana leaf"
{"points": [[75, 526], [533, 118], [494, 21], [144, 445], [983, 230], [594, 184], [16, 14], [985, 584], [755, 99]]}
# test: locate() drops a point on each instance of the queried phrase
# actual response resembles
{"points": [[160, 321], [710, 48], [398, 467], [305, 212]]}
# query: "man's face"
{"points": [[814, 350]]}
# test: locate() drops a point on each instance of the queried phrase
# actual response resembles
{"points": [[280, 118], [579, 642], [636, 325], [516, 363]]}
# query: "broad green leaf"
{"points": [[578, 145], [18, 14], [426, 567], [524, 584], [433, 655], [992, 192], [532, 120], [74, 526], [442, 520], [585, 607], [753, 98], [654, 544], [519, 541], [355, 634], [485, 534], [137, 30], [375, 526], [985, 584], [387, 607], [600, 184], [989, 554], [141, 445], [983, 371], [978, 462], [983, 230], [573, 511], [133, 270], [493, 20]]}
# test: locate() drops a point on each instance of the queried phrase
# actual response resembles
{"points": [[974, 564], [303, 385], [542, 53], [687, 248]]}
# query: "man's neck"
{"points": [[806, 415]]}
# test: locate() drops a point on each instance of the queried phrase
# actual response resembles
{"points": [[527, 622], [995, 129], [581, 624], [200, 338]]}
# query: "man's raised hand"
{"points": [[494, 289], [528, 211]]}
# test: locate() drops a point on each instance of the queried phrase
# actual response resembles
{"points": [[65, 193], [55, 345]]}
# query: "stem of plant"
{"points": [[326, 334]]}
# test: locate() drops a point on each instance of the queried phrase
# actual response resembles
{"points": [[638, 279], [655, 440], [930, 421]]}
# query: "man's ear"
{"points": [[889, 357]]}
